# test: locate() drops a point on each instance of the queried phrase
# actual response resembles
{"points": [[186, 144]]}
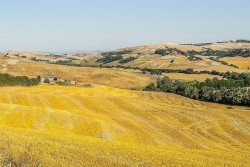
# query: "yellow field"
{"points": [[239, 61], [109, 77], [191, 77], [105, 126]]}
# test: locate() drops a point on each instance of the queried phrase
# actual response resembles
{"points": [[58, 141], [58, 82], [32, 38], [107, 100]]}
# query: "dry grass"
{"points": [[38, 56], [164, 62], [147, 59], [191, 77], [113, 127], [228, 45], [239, 61], [48, 149], [109, 77]]}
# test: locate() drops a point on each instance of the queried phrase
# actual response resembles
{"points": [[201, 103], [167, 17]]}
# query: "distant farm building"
{"points": [[52, 79], [69, 82], [56, 80], [42, 79]]}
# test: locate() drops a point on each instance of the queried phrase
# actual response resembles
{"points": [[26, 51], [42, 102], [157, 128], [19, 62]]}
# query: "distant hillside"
{"points": [[43, 57], [221, 56], [174, 56], [110, 77]]}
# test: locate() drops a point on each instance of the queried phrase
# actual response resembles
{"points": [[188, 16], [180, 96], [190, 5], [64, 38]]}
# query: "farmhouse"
{"points": [[49, 79], [69, 82], [56, 80]]}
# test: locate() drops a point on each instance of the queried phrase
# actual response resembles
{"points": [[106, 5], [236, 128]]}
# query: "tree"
{"points": [[38, 78], [150, 87], [123, 61], [46, 80], [161, 52]]}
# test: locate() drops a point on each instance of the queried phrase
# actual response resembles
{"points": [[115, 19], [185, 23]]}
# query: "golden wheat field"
{"points": [[103, 126], [239, 61]]}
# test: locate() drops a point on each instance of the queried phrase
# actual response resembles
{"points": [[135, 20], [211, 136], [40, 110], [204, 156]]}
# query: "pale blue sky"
{"points": [[90, 25]]}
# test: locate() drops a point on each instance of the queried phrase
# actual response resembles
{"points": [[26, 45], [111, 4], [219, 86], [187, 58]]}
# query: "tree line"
{"points": [[229, 75], [242, 41], [9, 80], [126, 60], [207, 52], [221, 53], [212, 90], [237, 41], [108, 57], [223, 62], [169, 51]]}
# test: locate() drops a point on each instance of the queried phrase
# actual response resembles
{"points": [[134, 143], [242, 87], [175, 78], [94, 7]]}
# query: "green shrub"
{"points": [[9, 80], [129, 59]]}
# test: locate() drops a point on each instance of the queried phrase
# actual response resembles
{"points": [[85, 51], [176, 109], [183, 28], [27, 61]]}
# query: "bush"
{"points": [[194, 58], [169, 51], [46, 80], [161, 52], [123, 61], [242, 41], [150, 87], [109, 59], [63, 62]]}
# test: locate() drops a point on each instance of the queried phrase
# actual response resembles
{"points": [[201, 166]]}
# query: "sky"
{"points": [[102, 25]]}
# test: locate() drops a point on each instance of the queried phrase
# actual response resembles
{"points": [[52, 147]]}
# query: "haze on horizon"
{"points": [[81, 25]]}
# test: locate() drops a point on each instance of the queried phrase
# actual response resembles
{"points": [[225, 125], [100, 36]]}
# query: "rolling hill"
{"points": [[76, 126], [146, 57], [110, 77]]}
